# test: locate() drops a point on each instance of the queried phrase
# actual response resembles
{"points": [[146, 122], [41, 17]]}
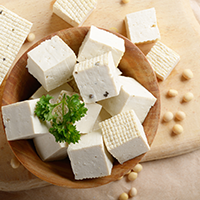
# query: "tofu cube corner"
{"points": [[74, 12], [124, 136], [89, 158], [101, 41], [54, 93], [97, 78], [141, 26], [48, 149], [132, 96], [51, 63], [21, 122], [162, 59]]}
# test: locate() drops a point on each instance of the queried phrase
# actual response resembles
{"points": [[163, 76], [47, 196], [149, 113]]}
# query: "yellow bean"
{"points": [[168, 116], [132, 192], [121, 177], [180, 115], [188, 96], [128, 172], [125, 1], [172, 93], [187, 74], [31, 37], [132, 176], [137, 168], [123, 196], [177, 129], [14, 163]]}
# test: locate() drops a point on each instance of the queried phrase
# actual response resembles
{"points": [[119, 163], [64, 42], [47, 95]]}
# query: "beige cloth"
{"points": [[175, 178]]}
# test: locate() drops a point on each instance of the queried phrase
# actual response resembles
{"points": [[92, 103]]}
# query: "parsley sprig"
{"points": [[64, 130]]}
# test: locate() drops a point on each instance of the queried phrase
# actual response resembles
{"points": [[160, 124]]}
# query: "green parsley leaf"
{"points": [[63, 130], [76, 109], [44, 108]]}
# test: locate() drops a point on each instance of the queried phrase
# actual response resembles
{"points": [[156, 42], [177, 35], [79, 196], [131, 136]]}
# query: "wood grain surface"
{"points": [[179, 30]]}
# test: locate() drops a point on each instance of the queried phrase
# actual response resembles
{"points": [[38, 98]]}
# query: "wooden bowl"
{"points": [[20, 85]]}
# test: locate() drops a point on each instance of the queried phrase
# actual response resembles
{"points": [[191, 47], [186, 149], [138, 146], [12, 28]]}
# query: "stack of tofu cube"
{"points": [[117, 105], [141, 28]]}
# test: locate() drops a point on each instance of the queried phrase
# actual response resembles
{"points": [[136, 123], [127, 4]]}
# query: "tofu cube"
{"points": [[162, 59], [124, 136], [132, 96], [89, 158], [86, 123], [103, 115], [98, 42], [13, 32], [54, 93], [97, 78], [21, 122], [142, 26], [48, 149], [51, 63], [74, 12]]}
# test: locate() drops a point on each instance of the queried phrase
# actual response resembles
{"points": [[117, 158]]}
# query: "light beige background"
{"points": [[176, 178]]}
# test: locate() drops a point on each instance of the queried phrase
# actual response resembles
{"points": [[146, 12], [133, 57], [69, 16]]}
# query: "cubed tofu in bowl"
{"points": [[133, 64]]}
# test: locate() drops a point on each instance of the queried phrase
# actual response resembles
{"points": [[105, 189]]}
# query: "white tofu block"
{"points": [[85, 125], [124, 136], [103, 115], [51, 63], [118, 71], [73, 84], [142, 26], [74, 12], [48, 149], [54, 93], [21, 122], [97, 78], [89, 158], [132, 96], [98, 42], [13, 32], [162, 59]]}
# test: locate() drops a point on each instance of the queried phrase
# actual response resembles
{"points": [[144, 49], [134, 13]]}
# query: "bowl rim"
{"points": [[86, 183]]}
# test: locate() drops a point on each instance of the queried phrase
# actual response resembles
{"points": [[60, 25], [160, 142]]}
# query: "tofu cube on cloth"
{"points": [[86, 123], [51, 63], [89, 158], [97, 78], [98, 42], [162, 59], [13, 32], [48, 149], [132, 96], [124, 136], [74, 12], [141, 26], [21, 122]]}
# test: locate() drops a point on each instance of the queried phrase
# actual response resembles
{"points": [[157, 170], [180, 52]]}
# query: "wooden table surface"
{"points": [[179, 30]]}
